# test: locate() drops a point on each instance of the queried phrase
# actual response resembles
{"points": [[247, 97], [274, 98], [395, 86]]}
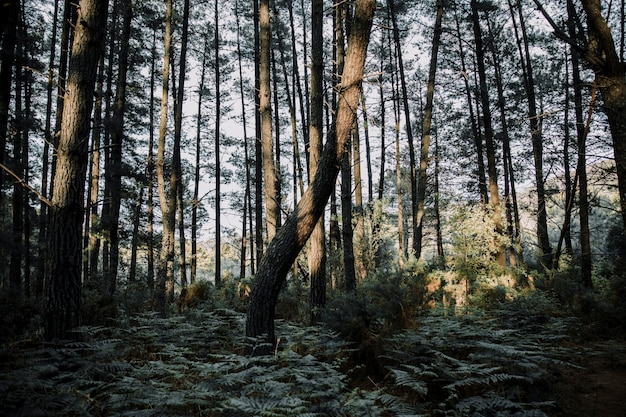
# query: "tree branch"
{"points": [[24, 184]]}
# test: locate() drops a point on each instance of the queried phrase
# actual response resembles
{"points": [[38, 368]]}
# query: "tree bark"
{"points": [[166, 258], [63, 276], [408, 128], [218, 174], [317, 251], [290, 239], [270, 178], [426, 132], [488, 131], [111, 222], [543, 240]]}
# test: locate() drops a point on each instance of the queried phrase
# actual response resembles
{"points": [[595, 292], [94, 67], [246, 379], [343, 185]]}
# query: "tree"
{"points": [[494, 193], [293, 235], [408, 128], [599, 51], [63, 273], [165, 270], [543, 240], [317, 251], [426, 131], [272, 190]]}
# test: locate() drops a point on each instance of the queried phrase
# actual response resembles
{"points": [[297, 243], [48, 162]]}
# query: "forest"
{"points": [[313, 208]]}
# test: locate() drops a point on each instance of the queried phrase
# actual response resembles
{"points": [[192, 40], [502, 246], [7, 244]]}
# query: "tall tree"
{"points": [[110, 222], [536, 136], [599, 51], [165, 270], [293, 235], [63, 275], [317, 251], [427, 131], [407, 121], [494, 192], [270, 177], [218, 133]]}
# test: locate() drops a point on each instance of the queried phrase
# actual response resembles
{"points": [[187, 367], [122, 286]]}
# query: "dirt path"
{"points": [[598, 389]]}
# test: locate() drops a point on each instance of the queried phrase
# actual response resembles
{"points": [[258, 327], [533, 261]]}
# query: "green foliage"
{"points": [[191, 364], [473, 365]]}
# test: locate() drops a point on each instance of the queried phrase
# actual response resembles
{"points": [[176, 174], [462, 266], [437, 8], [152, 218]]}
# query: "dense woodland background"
{"points": [[151, 151]]}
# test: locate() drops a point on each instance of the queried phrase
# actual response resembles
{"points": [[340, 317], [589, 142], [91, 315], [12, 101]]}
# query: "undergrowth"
{"points": [[195, 364]]}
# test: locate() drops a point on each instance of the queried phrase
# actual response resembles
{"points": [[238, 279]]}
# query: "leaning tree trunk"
{"points": [[63, 275], [292, 236]]}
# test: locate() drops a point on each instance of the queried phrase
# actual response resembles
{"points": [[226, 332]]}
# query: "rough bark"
{"points": [[270, 178], [317, 251], [408, 128], [426, 132], [494, 193], [63, 275], [290, 239]]}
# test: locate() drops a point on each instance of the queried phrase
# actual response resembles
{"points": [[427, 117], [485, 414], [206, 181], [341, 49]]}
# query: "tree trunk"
{"points": [[488, 131], [270, 179], [45, 164], [134, 244], [317, 251], [111, 222], [543, 240], [196, 182], [482, 179], [166, 258], [9, 39], [218, 174], [284, 248], [582, 130], [426, 132], [247, 198], [506, 149], [408, 128], [151, 169], [63, 276]]}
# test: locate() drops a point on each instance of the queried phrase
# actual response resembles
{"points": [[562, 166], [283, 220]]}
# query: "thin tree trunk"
{"points": [[17, 199], [482, 179], [290, 239], [258, 149], [272, 209], [543, 240], [247, 198], [11, 9], [196, 183], [437, 210], [165, 265], [581, 166], [151, 169], [358, 202], [368, 153], [298, 88], [408, 127], [426, 133], [488, 131], [45, 165], [218, 174], [506, 151], [63, 276], [134, 243], [317, 251], [111, 222]]}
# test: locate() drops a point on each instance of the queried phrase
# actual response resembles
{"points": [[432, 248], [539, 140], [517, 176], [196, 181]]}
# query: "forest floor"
{"points": [[599, 387], [475, 364]]}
